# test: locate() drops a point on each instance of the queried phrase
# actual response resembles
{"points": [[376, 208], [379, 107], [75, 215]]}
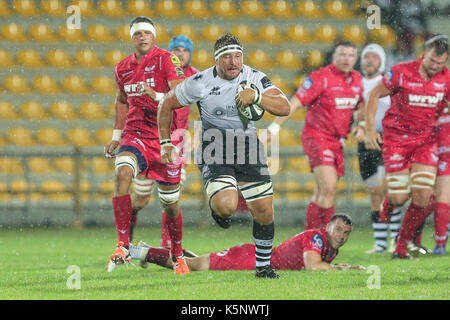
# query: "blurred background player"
{"points": [[442, 209], [142, 79], [409, 126], [313, 249], [331, 94], [373, 61], [231, 166]]}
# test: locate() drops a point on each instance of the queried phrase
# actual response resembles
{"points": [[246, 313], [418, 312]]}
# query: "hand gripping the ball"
{"points": [[248, 94]]}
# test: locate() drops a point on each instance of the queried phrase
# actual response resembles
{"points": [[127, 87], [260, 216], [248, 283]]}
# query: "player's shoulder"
{"points": [[125, 62], [405, 66]]}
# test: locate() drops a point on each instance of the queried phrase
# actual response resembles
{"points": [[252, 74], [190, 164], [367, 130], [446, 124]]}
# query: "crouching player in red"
{"points": [[442, 209], [142, 79], [417, 89], [313, 249]]}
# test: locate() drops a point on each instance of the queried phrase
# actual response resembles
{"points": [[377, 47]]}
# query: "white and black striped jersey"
{"points": [[383, 104]]}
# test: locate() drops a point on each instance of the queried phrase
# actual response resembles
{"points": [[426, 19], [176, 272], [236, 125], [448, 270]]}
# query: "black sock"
{"points": [[263, 236]]}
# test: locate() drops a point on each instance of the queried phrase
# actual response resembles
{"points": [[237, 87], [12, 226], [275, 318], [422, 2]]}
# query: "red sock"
{"points": [[312, 216], [123, 211], [325, 215], [165, 237], [441, 220], [158, 256], [414, 217], [175, 228], [133, 221], [386, 210]]}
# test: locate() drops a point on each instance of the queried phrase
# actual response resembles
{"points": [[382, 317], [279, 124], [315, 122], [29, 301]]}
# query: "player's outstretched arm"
{"points": [[313, 261], [372, 139]]}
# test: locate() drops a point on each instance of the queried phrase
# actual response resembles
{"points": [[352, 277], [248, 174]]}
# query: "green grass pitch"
{"points": [[35, 265]]}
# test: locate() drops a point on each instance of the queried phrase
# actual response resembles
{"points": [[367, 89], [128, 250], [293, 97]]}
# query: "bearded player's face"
{"points": [[143, 41], [344, 58], [229, 65], [338, 233], [370, 63], [432, 63]]}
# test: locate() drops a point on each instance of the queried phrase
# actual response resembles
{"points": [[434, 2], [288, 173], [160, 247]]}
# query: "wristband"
{"points": [[258, 95], [165, 141], [362, 124], [274, 128], [117, 134], [159, 96]]}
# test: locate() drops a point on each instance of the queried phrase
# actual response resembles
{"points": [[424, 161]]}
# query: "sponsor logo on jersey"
{"points": [[127, 73], [442, 166], [389, 75], [131, 89], [149, 69], [215, 91], [328, 153], [356, 89], [414, 84], [307, 84], [434, 157], [438, 85], [445, 118], [173, 173], [266, 82], [442, 150], [417, 100], [346, 103], [396, 157], [317, 241], [179, 71]]}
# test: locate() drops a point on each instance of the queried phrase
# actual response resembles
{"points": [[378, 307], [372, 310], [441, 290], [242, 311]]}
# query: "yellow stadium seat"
{"points": [[103, 136], [71, 35], [11, 165], [62, 110], [139, 8], [20, 137], [315, 58], [92, 110], [298, 80], [185, 29], [99, 33], [281, 83], [123, 33], [309, 9], [326, 33], [298, 33], [16, 84], [26, 8], [212, 32], [4, 9], [259, 58], [75, 85], [104, 85], [111, 8], [253, 9], [288, 59], [40, 165], [202, 59], [54, 8], [20, 186], [224, 9], [87, 8], [3, 142], [33, 110], [197, 9], [107, 187], [64, 165], [13, 32], [113, 57], [355, 34], [271, 34], [46, 84], [59, 58], [50, 137], [7, 111], [41, 33], [79, 137], [384, 34], [337, 9], [168, 8], [281, 9], [298, 164], [244, 33], [52, 186], [87, 58], [288, 138], [101, 165], [162, 34], [30, 58], [6, 59], [111, 109]]}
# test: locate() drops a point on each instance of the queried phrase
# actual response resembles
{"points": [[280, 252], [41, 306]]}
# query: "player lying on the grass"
{"points": [[313, 249]]}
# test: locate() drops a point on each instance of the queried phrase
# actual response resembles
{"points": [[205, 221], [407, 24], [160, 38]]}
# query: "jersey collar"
{"points": [[148, 54]]}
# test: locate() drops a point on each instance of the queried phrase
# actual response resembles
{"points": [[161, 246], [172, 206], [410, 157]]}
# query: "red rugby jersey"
{"points": [[331, 97], [289, 254], [157, 68], [416, 103]]}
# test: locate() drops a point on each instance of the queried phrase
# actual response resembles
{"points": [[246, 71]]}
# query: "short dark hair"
{"points": [[344, 43], [141, 19], [226, 40], [344, 217], [439, 43]]}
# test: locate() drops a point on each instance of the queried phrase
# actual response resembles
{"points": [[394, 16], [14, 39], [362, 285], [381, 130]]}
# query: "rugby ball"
{"points": [[252, 112]]}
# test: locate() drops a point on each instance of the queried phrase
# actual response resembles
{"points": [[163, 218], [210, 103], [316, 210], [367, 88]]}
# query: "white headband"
{"points": [[142, 26], [227, 49]]}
